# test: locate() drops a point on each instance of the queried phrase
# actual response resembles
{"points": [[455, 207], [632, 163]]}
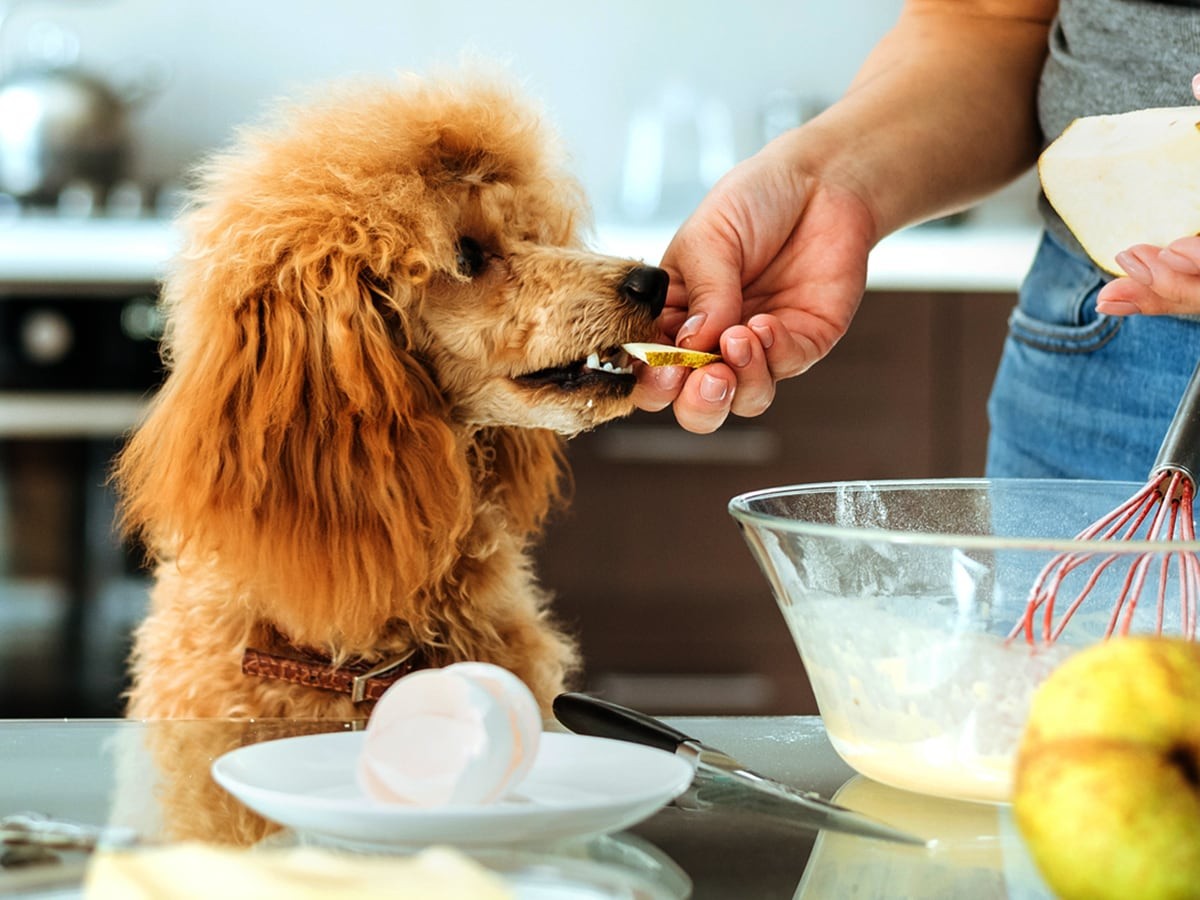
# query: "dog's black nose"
{"points": [[645, 286]]}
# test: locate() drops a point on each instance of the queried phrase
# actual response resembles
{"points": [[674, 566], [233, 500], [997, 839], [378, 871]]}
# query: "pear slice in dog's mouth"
{"points": [[666, 355]]}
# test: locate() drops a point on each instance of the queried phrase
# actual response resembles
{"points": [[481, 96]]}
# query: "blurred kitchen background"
{"points": [[654, 101]]}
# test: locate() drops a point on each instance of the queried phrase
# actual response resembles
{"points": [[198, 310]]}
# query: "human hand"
{"points": [[770, 268], [1158, 280]]}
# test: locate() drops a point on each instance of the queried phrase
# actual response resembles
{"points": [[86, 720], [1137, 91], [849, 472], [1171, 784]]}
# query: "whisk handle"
{"points": [[1180, 449]]}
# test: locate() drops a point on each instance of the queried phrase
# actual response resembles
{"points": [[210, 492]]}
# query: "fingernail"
{"points": [[668, 378], [766, 336], [1117, 307], [1134, 267], [1196, 86], [690, 327], [737, 351], [1180, 263], [713, 389]]}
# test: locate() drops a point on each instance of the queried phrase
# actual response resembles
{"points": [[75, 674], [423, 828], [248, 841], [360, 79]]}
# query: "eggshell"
{"points": [[523, 710], [457, 735]]}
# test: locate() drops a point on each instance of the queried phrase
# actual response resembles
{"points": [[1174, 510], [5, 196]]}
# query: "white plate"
{"points": [[578, 786]]}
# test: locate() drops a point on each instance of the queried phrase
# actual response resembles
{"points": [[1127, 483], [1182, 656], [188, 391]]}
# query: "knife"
{"points": [[584, 714], [30, 843], [37, 831]]}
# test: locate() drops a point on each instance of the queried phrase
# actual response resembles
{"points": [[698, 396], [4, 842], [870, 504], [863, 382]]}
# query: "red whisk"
{"points": [[1160, 512]]}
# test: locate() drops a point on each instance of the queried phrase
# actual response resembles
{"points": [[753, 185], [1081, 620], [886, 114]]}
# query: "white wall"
{"points": [[593, 65]]}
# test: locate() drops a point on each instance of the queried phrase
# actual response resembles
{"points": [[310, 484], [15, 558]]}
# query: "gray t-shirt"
{"points": [[1111, 56]]}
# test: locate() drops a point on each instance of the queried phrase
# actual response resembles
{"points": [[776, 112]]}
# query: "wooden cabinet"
{"points": [[650, 570]]}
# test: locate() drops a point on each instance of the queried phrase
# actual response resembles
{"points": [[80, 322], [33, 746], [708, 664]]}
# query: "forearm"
{"points": [[941, 113]]}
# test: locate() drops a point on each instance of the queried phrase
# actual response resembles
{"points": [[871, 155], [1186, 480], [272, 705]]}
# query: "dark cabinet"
{"points": [[649, 569]]}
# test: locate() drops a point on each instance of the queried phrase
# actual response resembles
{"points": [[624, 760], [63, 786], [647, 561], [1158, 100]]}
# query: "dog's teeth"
{"points": [[612, 368]]}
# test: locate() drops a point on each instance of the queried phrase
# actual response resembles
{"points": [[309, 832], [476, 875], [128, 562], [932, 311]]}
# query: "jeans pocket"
{"points": [[1056, 311], [1051, 338]]}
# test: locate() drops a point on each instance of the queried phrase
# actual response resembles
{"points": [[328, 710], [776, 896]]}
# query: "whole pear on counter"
{"points": [[1130, 178], [1107, 793]]}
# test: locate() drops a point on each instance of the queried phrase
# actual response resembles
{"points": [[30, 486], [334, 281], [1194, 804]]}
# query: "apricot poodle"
{"points": [[382, 326]]}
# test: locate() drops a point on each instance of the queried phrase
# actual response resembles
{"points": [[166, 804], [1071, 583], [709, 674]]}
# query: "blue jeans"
{"points": [[1079, 394]]}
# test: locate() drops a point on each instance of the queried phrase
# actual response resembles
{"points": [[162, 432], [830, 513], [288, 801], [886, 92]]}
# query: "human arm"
{"points": [[771, 266]]}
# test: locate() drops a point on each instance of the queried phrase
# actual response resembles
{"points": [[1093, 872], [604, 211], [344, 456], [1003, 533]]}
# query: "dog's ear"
{"points": [[529, 473], [296, 436]]}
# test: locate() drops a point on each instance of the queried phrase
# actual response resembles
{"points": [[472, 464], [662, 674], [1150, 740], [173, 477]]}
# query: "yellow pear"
{"points": [[666, 355], [1107, 792], [1131, 178]]}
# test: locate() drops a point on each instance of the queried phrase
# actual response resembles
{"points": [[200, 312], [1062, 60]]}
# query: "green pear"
{"points": [[1130, 178], [1107, 792]]}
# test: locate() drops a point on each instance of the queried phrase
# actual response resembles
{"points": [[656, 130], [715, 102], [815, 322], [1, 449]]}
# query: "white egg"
{"points": [[463, 734]]}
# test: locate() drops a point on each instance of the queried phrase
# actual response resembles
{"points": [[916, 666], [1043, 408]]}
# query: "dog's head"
{"points": [[383, 300], [431, 226], [523, 332]]}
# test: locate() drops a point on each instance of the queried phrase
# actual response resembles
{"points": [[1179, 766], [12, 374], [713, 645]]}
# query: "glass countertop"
{"points": [[154, 778]]}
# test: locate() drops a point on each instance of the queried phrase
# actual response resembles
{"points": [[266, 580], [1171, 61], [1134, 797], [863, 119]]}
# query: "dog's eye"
{"points": [[471, 258]]}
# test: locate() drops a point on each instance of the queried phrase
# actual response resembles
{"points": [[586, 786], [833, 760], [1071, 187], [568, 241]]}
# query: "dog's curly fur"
{"points": [[358, 441]]}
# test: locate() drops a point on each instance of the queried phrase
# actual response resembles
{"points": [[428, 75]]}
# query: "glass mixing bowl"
{"points": [[904, 599]]}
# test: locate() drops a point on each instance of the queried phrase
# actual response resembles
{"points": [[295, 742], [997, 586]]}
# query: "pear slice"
{"points": [[1131, 178], [666, 355]]}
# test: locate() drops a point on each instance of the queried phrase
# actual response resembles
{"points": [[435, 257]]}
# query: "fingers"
{"points": [[670, 320], [658, 386], [1159, 281], [712, 292], [703, 398], [755, 357], [706, 398], [743, 351], [742, 383]]}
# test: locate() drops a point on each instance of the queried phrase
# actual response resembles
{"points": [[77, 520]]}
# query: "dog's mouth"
{"points": [[608, 366]]}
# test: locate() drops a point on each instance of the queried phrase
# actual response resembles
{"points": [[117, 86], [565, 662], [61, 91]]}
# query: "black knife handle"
{"points": [[1180, 449], [584, 714]]}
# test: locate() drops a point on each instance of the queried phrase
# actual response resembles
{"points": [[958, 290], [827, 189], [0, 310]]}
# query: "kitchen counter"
{"points": [[135, 251], [63, 251], [963, 258], [134, 775]]}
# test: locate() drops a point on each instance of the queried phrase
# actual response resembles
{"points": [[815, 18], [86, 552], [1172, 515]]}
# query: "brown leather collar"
{"points": [[361, 679]]}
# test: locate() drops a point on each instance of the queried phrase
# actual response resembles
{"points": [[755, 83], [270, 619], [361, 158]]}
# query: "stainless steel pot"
{"points": [[57, 127]]}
